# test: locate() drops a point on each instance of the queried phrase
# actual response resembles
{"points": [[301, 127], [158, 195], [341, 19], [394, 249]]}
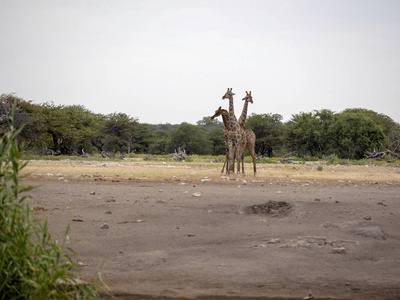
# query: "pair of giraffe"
{"points": [[236, 136]]}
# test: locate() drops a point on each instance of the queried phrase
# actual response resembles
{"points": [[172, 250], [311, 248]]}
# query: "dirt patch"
{"points": [[272, 208]]}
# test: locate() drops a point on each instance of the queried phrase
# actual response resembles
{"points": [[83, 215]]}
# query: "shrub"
{"points": [[31, 265]]}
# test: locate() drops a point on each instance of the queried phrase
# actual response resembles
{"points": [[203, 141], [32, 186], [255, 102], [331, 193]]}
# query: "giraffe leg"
{"points": [[230, 160], [226, 158], [243, 163], [254, 157]]}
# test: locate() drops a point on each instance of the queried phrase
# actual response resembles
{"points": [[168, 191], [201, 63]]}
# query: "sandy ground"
{"points": [[228, 239]]}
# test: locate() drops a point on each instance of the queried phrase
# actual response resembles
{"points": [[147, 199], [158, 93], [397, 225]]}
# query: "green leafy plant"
{"points": [[32, 266]]}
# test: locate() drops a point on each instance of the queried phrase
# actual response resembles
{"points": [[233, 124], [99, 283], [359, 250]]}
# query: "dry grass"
{"points": [[139, 170]]}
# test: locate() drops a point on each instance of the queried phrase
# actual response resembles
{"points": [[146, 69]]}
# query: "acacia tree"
{"points": [[120, 131]]}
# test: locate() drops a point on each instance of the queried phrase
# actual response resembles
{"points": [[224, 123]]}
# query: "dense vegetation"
{"points": [[74, 130]]}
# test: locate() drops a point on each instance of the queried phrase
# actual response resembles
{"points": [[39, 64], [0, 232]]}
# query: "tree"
{"points": [[308, 133], [120, 131], [217, 141], [268, 129], [209, 124], [191, 138], [159, 142], [353, 134]]}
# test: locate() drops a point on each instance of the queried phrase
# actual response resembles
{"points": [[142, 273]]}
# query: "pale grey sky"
{"points": [[170, 61]]}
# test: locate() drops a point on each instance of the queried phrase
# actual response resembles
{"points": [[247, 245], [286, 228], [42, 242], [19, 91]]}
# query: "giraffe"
{"points": [[249, 136], [236, 140], [243, 116]]}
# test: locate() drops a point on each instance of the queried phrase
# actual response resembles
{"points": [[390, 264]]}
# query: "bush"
{"points": [[31, 265], [331, 159]]}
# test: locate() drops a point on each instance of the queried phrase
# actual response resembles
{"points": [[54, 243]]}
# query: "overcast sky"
{"points": [[170, 61]]}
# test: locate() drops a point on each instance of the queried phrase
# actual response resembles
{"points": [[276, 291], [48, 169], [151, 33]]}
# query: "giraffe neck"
{"points": [[232, 117], [243, 116], [225, 118]]}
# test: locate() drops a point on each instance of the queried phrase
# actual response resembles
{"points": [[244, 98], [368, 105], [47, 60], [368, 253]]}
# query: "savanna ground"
{"points": [[161, 230]]}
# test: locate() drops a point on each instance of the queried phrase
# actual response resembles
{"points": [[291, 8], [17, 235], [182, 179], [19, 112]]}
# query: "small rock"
{"points": [[59, 175], [274, 241], [367, 218], [92, 193], [340, 250], [279, 192], [138, 221], [104, 226], [317, 199], [108, 212], [206, 179], [372, 232], [196, 194], [110, 200], [77, 220]]}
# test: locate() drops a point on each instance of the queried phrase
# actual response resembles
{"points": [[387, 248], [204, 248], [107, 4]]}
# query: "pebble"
{"points": [[104, 226], [339, 250]]}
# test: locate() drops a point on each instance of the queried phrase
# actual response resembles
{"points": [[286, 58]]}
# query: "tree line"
{"points": [[74, 130]]}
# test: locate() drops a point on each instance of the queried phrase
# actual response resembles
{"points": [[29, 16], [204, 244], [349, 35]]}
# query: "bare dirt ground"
{"points": [[182, 231]]}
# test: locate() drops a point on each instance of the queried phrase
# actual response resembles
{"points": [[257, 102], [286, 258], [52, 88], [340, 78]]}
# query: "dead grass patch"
{"points": [[208, 171]]}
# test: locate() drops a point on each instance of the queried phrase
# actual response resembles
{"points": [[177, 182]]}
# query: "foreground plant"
{"points": [[32, 266]]}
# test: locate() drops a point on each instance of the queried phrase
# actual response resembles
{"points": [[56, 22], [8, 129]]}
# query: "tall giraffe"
{"points": [[243, 116], [249, 136], [236, 141]]}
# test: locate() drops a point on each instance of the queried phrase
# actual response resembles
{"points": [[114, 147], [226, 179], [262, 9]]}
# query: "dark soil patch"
{"points": [[273, 208]]}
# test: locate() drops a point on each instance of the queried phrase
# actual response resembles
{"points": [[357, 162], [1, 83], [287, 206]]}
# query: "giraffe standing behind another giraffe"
{"points": [[236, 142], [250, 137]]}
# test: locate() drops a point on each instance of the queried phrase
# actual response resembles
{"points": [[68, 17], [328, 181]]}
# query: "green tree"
{"points": [[120, 132], [192, 138], [385, 122], [309, 133], [353, 134], [268, 129], [209, 124], [159, 141], [217, 141]]}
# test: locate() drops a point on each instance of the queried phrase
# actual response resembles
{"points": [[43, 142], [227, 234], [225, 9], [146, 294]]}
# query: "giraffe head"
{"points": [[248, 97], [229, 94], [218, 113]]}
